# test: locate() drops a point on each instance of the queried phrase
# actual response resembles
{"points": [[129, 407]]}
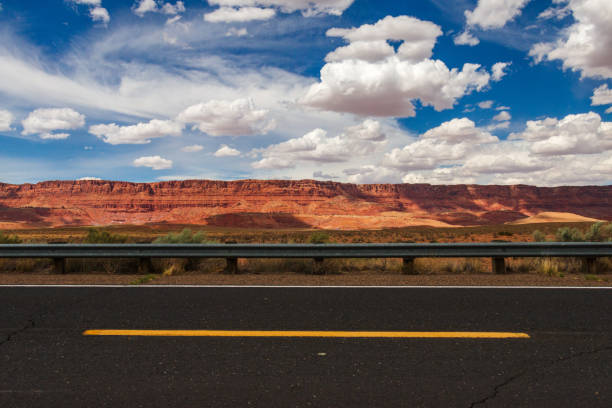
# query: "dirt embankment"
{"points": [[309, 280]]}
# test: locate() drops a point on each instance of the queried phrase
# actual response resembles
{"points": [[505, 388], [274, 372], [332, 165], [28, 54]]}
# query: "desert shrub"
{"points": [[539, 236], [464, 266], [599, 232], [186, 236], [259, 266], [549, 267], [319, 237], [101, 266], [557, 266], [97, 236], [567, 234], [522, 266], [594, 233], [506, 233], [606, 232], [9, 239]]}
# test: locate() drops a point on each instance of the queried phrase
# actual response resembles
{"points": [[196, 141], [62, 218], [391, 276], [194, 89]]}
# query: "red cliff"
{"points": [[284, 203]]}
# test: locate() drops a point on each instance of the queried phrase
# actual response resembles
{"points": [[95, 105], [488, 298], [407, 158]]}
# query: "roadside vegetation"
{"points": [[9, 239], [98, 236], [165, 234]]}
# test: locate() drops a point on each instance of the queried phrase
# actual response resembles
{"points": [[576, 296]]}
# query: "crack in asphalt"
{"points": [[31, 321], [515, 377], [497, 388]]}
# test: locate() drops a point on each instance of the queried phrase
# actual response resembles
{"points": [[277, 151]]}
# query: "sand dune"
{"points": [[553, 217]]}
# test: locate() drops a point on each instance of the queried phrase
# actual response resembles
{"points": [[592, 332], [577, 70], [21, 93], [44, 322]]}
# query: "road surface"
{"points": [[561, 356]]}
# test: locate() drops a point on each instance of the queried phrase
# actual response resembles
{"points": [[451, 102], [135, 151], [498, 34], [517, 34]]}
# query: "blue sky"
{"points": [[435, 91]]}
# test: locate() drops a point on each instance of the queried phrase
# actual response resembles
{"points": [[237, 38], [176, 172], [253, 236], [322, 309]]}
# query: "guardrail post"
{"points": [[408, 266], [59, 265], [318, 266], [145, 266], [499, 265], [192, 264], [589, 265], [231, 266]]}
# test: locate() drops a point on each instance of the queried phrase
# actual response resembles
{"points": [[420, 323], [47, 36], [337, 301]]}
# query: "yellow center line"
{"points": [[346, 334]]}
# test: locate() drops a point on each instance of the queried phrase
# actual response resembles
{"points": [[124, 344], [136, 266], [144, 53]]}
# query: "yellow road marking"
{"points": [[261, 333]]}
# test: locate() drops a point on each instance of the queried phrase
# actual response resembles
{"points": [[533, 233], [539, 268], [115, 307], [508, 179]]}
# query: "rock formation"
{"points": [[287, 203]]}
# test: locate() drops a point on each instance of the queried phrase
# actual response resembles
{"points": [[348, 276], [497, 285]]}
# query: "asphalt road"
{"points": [[46, 361]]}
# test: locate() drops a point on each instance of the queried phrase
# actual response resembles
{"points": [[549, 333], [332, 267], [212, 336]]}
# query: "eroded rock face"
{"points": [[287, 203]]}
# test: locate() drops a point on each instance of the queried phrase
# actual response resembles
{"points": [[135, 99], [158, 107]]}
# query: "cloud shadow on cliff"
{"points": [[256, 220]]}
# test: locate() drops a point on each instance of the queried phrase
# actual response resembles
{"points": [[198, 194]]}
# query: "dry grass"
{"points": [[148, 233], [428, 266]]}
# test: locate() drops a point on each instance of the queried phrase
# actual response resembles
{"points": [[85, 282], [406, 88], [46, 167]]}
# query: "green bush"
{"points": [[9, 239], [606, 231], [319, 237], [594, 233], [183, 237], [567, 234], [599, 232], [97, 236], [539, 236]]}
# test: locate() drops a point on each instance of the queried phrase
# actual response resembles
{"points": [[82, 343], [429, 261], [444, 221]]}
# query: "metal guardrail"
{"points": [[231, 252]]}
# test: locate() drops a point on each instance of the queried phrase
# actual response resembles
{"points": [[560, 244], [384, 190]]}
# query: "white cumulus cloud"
{"points": [[96, 11], [173, 9], [513, 161], [583, 133], [498, 71], [308, 8], [272, 163], [571, 151], [142, 7], [154, 162], [317, 146], [99, 14], [46, 121], [226, 151], [145, 6], [490, 14], [602, 96], [466, 38], [586, 45], [241, 14], [369, 78], [372, 174], [193, 148], [418, 37], [502, 116], [6, 119], [228, 118], [370, 51], [446, 144], [444, 175], [140, 133]]}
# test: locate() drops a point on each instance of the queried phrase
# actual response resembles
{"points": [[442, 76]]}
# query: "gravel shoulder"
{"points": [[289, 279]]}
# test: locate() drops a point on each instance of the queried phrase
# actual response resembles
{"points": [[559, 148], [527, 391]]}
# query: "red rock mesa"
{"points": [[288, 204]]}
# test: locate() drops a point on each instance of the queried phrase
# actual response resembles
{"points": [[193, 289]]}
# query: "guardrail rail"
{"points": [[498, 252]]}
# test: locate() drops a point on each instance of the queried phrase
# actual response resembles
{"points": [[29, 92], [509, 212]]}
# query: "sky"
{"points": [[360, 91]]}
